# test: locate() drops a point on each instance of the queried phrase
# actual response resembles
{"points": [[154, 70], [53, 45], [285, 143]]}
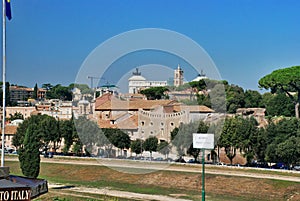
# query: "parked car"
{"points": [[193, 161], [180, 160], [48, 155], [159, 159], [169, 159], [296, 167]]}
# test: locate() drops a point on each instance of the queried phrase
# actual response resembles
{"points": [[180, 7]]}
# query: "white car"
{"points": [[297, 167]]}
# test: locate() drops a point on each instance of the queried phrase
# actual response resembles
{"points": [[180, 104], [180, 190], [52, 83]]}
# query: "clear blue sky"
{"points": [[48, 40]]}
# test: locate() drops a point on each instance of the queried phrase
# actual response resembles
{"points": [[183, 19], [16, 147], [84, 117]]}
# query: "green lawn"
{"points": [[183, 184]]}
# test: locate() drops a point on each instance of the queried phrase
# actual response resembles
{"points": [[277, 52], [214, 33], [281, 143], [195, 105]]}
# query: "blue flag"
{"points": [[8, 9]]}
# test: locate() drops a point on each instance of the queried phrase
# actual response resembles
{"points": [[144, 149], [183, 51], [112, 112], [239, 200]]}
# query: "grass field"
{"points": [[168, 183]]}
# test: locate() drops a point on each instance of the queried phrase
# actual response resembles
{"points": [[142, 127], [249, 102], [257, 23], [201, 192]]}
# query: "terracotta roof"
{"points": [[194, 108], [109, 102], [148, 104], [128, 123], [18, 88], [10, 129], [103, 99], [106, 124], [119, 115]]}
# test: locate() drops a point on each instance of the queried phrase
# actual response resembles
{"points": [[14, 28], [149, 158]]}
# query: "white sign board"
{"points": [[203, 141]]}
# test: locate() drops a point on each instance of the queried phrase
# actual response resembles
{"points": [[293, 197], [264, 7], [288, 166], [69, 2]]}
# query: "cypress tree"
{"points": [[35, 92], [29, 155]]}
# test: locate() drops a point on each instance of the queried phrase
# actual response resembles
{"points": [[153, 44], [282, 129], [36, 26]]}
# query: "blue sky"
{"points": [[48, 40]]}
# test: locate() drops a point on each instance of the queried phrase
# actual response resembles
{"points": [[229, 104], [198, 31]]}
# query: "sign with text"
{"points": [[12, 194], [203, 141]]}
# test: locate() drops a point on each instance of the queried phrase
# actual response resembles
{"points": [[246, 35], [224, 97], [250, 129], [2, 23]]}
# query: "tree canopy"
{"points": [[150, 145], [58, 92], [285, 80], [154, 93], [182, 137]]}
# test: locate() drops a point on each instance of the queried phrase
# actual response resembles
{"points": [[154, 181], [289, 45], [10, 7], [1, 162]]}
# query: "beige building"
{"points": [[10, 131], [159, 122], [25, 111], [143, 118], [56, 108]]}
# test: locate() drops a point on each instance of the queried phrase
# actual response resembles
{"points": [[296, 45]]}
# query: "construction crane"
{"points": [[92, 79]]}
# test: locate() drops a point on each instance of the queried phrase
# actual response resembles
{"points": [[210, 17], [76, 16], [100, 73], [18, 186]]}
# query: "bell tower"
{"points": [[178, 76]]}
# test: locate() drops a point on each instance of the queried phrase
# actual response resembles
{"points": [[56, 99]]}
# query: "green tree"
{"points": [[202, 128], [247, 137], [136, 146], [260, 145], [164, 148], [281, 135], [285, 80], [121, 140], [203, 100], [49, 132], [91, 136], [182, 137], [84, 88], [265, 101], [47, 86], [29, 155], [113, 136], [35, 120], [59, 92], [234, 98], [35, 92], [17, 115], [150, 145], [68, 133], [217, 97], [280, 105], [155, 93], [199, 85], [77, 148], [229, 138], [252, 99], [213, 93], [288, 151]]}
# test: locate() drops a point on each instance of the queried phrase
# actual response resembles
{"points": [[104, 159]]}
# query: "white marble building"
{"points": [[137, 83]]}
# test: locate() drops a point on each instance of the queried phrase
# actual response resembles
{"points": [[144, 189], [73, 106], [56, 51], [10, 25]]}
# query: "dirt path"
{"points": [[114, 193]]}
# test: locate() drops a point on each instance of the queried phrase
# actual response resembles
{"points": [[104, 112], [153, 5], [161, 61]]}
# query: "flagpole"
{"points": [[3, 78]]}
